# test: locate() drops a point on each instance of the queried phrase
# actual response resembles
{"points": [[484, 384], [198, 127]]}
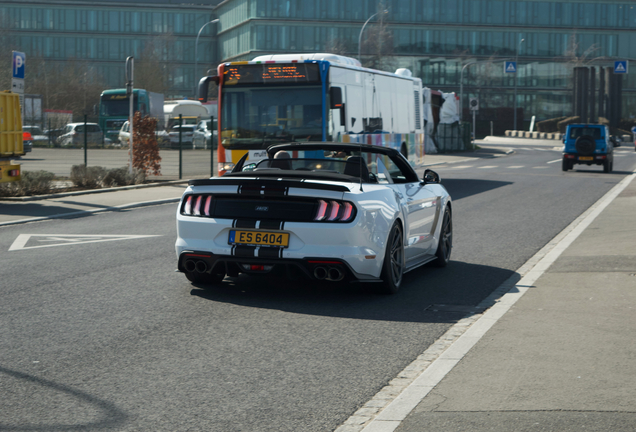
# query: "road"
{"points": [[104, 335]]}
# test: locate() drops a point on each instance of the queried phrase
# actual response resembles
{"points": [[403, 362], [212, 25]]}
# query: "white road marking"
{"points": [[487, 167], [441, 357], [460, 167], [515, 167], [20, 243], [540, 167], [555, 161]]}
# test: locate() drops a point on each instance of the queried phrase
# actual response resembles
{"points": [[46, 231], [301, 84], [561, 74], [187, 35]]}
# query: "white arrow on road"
{"points": [[51, 240]]}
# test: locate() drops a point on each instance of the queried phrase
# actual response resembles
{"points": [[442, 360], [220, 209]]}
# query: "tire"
{"points": [[565, 165], [445, 245], [585, 145], [607, 166], [393, 265]]}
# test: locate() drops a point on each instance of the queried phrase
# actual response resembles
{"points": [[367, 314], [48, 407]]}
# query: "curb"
{"points": [[87, 212], [93, 191]]}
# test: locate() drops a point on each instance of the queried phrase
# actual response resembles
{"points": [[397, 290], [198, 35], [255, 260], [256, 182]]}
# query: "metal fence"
{"points": [[453, 137]]}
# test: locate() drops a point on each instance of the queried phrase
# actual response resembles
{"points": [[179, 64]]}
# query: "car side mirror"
{"points": [[431, 176], [249, 167]]}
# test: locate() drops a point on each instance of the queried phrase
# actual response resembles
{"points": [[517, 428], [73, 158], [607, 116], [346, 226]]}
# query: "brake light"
{"points": [[26, 136], [322, 210], [334, 211], [197, 205]]}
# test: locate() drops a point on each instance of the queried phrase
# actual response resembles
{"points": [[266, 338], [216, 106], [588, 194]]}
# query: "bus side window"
{"points": [[335, 94]]}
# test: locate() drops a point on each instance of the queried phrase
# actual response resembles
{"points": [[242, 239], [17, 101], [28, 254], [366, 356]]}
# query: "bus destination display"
{"points": [[272, 73]]}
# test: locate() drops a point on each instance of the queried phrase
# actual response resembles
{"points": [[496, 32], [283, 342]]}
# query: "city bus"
{"points": [[313, 97], [114, 109]]}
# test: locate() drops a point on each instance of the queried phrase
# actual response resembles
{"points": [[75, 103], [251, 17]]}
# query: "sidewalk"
{"points": [[28, 209], [557, 353]]}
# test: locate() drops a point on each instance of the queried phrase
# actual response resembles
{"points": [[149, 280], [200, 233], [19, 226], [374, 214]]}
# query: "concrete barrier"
{"points": [[534, 134], [527, 134]]}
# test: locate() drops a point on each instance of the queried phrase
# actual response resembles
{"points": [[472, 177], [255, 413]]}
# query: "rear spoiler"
{"points": [[269, 184]]}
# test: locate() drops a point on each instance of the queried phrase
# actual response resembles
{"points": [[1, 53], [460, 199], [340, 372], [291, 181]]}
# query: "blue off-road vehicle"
{"points": [[588, 144]]}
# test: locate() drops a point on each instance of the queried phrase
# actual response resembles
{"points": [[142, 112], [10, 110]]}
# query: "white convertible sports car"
{"points": [[329, 211]]}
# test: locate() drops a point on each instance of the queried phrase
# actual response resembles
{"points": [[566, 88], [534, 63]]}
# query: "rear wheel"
{"points": [[445, 245], [565, 165], [393, 266]]}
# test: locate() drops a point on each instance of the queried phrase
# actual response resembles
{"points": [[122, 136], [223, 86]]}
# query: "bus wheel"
{"points": [[404, 151]]}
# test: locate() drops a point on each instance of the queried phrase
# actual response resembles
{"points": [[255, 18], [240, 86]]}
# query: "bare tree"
{"points": [[377, 43], [152, 68]]}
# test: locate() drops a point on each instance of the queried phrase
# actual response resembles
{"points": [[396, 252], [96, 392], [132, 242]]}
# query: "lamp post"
{"points": [[461, 89], [196, 51], [516, 74], [362, 30]]}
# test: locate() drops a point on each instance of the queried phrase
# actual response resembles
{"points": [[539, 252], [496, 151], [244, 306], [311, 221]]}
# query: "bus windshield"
{"points": [[256, 117], [117, 105]]}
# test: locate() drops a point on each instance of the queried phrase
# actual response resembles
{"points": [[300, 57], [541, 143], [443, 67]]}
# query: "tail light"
{"points": [[334, 211], [197, 205], [26, 136]]}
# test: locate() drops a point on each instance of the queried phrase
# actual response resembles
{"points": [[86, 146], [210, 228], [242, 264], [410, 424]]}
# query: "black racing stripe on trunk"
{"points": [[269, 252], [270, 225], [245, 223], [245, 251]]}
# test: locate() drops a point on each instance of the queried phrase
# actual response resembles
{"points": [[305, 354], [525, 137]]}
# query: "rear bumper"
{"points": [[317, 269], [597, 159]]}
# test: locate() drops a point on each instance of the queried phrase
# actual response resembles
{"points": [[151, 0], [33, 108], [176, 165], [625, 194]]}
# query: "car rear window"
{"points": [[593, 132]]}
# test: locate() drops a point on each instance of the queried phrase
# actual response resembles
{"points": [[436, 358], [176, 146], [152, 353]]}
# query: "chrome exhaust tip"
{"points": [[320, 273], [190, 266], [334, 274], [201, 266]]}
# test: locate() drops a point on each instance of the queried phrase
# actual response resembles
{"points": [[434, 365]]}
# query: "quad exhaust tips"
{"points": [[198, 266], [332, 274]]}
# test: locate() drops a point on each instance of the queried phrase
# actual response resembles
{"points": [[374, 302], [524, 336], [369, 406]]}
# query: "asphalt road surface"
{"points": [[104, 335]]}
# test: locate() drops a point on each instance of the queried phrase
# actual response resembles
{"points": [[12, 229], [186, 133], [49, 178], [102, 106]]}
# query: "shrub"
{"points": [[563, 124], [145, 147], [87, 177], [121, 177], [550, 125], [31, 183]]}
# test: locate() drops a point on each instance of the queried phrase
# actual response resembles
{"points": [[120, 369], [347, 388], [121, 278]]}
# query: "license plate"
{"points": [[258, 238], [588, 158]]}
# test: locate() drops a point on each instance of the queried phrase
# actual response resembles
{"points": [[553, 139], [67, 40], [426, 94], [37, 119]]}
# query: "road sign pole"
{"points": [[180, 147], [474, 128], [85, 141]]}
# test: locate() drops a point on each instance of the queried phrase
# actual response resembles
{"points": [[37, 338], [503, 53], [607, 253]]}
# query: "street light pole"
{"points": [[461, 90], [196, 51], [362, 30], [516, 74]]}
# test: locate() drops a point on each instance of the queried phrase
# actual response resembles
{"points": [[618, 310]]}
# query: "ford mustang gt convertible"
{"points": [[329, 211]]}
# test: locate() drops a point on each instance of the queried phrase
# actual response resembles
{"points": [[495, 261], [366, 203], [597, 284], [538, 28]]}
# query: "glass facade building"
{"points": [[436, 39], [105, 33]]}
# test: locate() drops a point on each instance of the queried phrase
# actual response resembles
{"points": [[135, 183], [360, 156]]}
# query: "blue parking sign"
{"points": [[19, 60], [620, 67]]}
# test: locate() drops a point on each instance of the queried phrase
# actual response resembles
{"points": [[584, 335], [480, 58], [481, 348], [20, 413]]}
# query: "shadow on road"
{"points": [[428, 294], [39, 389], [462, 188]]}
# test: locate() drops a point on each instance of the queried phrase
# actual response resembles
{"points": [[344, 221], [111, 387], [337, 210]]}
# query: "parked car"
{"points": [[124, 134], [27, 142], [37, 135], [588, 144], [73, 135], [205, 135], [354, 213], [53, 134], [187, 132]]}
